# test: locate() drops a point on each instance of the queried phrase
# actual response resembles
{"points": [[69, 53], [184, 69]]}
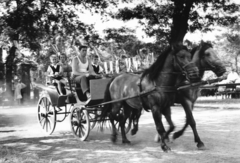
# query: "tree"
{"points": [[170, 20], [124, 38], [229, 45], [127, 40], [31, 21]]}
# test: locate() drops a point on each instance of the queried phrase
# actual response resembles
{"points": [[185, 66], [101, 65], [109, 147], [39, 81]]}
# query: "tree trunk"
{"points": [[1, 61], [9, 70], [2, 69], [24, 74], [180, 20], [236, 63]]}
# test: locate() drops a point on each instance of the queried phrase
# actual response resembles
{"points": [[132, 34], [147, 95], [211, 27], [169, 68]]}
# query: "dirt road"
{"points": [[218, 126]]}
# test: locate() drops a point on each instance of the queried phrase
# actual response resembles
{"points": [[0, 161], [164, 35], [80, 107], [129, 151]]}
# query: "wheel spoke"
{"points": [[77, 130], [45, 102], [49, 122], [41, 119], [41, 105], [43, 126], [82, 131]]}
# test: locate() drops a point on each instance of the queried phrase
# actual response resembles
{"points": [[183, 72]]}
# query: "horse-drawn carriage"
{"points": [[83, 115], [159, 83]]}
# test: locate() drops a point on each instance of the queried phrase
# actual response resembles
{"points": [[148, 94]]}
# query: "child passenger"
{"points": [[95, 64], [54, 72]]}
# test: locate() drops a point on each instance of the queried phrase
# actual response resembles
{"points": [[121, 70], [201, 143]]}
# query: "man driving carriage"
{"points": [[82, 70]]}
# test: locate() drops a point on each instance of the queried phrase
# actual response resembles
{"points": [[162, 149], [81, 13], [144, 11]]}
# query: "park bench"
{"points": [[229, 90]]}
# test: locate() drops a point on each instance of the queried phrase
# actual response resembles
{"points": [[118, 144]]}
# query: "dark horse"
{"points": [[205, 58], [162, 74]]}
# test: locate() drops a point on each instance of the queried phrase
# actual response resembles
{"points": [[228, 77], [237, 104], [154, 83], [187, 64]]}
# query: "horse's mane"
{"points": [[203, 45], [157, 66]]}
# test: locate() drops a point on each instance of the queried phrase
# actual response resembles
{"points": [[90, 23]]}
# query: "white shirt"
{"points": [[83, 67], [50, 71], [232, 77]]}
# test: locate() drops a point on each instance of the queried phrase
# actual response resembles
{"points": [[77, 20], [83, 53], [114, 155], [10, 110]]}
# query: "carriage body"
{"points": [[53, 108]]}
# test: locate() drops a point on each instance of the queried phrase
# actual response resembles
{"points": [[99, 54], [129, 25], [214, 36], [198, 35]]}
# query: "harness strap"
{"points": [[167, 89], [144, 93]]}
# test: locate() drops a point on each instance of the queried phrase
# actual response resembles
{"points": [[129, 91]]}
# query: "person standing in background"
{"points": [[17, 93], [232, 76]]}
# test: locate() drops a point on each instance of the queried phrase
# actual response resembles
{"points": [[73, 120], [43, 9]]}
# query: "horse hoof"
{"points": [[165, 148], [126, 142], [157, 138], [201, 146], [133, 132]]}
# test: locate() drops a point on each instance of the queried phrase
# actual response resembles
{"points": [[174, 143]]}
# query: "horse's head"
{"points": [[175, 60], [206, 58], [182, 63]]}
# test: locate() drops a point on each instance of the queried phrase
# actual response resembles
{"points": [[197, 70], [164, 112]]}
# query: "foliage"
{"points": [[126, 39], [120, 35], [170, 20], [33, 21], [229, 46]]}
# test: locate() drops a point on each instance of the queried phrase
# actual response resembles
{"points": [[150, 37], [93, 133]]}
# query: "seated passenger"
{"points": [[82, 70], [65, 67], [95, 64], [54, 73]]}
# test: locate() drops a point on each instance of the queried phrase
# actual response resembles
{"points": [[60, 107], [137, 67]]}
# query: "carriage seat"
{"points": [[97, 89]]}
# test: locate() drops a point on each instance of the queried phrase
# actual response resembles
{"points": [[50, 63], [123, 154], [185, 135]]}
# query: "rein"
{"points": [[143, 93]]}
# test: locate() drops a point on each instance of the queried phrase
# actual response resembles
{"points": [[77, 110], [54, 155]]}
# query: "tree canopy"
{"points": [[32, 21], [170, 20]]}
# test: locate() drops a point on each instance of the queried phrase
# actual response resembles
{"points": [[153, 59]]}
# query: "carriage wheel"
{"points": [[80, 124], [46, 115], [127, 126]]}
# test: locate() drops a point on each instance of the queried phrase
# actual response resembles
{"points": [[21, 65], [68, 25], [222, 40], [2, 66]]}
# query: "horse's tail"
{"points": [[107, 107], [145, 107]]}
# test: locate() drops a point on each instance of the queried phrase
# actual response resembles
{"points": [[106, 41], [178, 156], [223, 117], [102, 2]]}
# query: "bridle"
{"points": [[190, 70], [215, 68]]}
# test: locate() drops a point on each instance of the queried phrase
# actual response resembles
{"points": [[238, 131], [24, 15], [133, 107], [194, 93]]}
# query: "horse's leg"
{"points": [[114, 130], [136, 113], [114, 116], [180, 132], [188, 107], [157, 116], [167, 114], [125, 114]]}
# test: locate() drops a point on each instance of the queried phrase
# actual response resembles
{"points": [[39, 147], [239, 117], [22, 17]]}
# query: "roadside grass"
{"points": [[10, 155]]}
